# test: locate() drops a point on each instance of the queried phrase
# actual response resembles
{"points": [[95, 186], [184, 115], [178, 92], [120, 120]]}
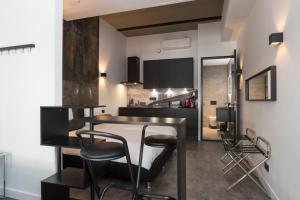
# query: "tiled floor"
{"points": [[211, 134], [204, 178]]}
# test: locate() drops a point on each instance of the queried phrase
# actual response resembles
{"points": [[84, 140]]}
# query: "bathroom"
{"points": [[217, 91]]}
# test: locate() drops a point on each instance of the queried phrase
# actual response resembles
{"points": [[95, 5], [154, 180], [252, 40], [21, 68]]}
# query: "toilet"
{"points": [[213, 122]]}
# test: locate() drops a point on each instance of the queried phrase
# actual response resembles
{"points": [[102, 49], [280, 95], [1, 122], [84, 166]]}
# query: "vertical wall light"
{"points": [[276, 39]]}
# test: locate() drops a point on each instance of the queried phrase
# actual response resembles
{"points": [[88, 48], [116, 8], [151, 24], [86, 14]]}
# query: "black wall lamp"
{"points": [[238, 72], [103, 75], [276, 39]]}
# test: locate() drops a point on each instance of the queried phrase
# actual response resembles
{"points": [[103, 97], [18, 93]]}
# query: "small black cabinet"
{"points": [[169, 73]]}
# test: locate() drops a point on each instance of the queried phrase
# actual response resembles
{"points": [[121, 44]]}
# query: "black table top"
{"points": [[85, 106], [69, 142], [159, 121]]}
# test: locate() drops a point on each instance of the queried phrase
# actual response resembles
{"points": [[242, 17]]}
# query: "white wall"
{"points": [[113, 61], [27, 81], [276, 121], [209, 41], [146, 48]]}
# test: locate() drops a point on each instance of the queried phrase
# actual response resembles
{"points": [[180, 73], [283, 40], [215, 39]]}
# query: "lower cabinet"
{"points": [[190, 114]]}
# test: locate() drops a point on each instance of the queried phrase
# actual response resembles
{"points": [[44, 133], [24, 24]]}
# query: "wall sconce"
{"points": [[276, 39], [238, 72], [103, 75]]}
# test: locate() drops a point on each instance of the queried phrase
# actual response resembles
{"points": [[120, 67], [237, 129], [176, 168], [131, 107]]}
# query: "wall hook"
{"points": [[16, 48]]}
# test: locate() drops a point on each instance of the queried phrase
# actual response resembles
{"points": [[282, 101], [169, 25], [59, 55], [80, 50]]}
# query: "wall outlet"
{"points": [[267, 168]]}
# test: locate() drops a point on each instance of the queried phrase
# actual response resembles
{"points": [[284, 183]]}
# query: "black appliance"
{"points": [[133, 71]]}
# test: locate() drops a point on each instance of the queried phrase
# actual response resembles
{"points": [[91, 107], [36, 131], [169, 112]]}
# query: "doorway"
{"points": [[218, 89]]}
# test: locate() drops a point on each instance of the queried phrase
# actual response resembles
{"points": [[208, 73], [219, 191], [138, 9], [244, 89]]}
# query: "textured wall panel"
{"points": [[80, 61]]}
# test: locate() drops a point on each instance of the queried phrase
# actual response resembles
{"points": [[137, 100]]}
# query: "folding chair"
{"points": [[241, 152], [228, 143]]}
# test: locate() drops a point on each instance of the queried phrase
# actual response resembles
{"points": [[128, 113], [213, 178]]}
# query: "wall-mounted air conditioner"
{"points": [[183, 43]]}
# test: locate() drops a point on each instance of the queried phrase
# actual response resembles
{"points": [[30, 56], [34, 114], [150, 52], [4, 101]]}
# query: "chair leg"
{"points": [[134, 189], [229, 163], [248, 173], [235, 164], [149, 185], [105, 190], [141, 157], [223, 157], [91, 175]]}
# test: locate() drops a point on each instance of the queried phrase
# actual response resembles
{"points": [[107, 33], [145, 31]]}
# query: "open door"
{"points": [[219, 88]]}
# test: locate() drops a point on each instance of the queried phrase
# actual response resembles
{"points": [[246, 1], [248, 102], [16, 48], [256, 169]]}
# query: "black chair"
{"points": [[159, 141], [104, 151]]}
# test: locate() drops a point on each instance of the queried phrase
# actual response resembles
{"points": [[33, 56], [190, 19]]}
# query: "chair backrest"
{"points": [[250, 134], [79, 134], [264, 146]]}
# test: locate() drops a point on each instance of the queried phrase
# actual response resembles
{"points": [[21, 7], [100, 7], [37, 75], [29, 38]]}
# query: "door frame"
{"points": [[234, 56]]}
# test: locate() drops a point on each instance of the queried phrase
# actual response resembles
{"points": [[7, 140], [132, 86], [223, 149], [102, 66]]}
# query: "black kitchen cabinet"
{"points": [[184, 75], [190, 114], [151, 70], [169, 73]]}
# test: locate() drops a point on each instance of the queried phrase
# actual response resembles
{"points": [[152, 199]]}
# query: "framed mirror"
{"points": [[262, 86]]}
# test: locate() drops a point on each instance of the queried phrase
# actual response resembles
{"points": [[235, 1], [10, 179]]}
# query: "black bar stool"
{"points": [[104, 151], [159, 141]]}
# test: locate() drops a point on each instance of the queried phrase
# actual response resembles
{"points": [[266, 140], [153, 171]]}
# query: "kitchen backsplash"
{"points": [[137, 96]]}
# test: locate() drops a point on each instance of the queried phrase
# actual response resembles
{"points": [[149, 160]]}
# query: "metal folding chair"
{"points": [[227, 139], [239, 154]]}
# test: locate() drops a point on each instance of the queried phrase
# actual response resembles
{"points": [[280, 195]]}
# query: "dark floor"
{"points": [[204, 178]]}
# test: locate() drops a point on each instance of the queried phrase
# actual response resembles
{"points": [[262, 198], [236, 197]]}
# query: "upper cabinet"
{"points": [[169, 73], [151, 69]]}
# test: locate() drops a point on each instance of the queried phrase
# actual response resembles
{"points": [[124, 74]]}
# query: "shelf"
{"points": [[69, 177], [71, 142], [85, 106]]}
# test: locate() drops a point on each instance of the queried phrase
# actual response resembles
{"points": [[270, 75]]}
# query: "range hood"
{"points": [[133, 71]]}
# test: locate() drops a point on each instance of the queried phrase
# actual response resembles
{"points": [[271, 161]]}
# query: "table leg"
{"points": [[58, 159], [92, 190], [91, 123], [181, 162]]}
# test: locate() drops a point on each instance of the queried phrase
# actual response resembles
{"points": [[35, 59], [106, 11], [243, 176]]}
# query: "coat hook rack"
{"points": [[16, 48]]}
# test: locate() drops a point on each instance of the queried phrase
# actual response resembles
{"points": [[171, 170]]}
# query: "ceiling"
{"points": [[145, 17], [78, 9], [167, 18]]}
